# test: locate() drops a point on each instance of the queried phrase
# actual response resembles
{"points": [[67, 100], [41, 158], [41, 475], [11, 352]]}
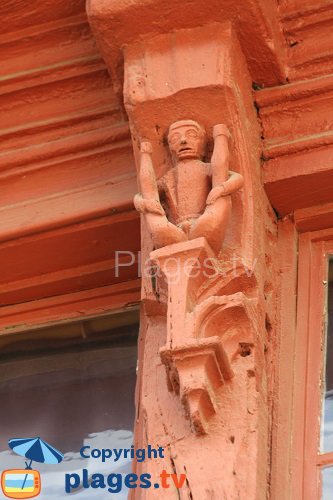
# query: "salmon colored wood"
{"points": [[203, 330], [44, 11], [314, 250], [325, 459], [67, 175], [201, 209], [89, 260], [283, 444], [297, 127], [282, 181], [314, 218], [70, 306], [190, 227], [115, 25], [304, 22], [67, 179]]}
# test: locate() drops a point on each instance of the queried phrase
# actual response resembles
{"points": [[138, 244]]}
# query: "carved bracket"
{"points": [[195, 371], [201, 342]]}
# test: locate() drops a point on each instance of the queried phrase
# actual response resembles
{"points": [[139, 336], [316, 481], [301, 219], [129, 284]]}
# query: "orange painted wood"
{"points": [[32, 49], [79, 144], [298, 181], [298, 146], [22, 17], [314, 218], [56, 98], [262, 42], [69, 259], [325, 459], [67, 175], [70, 306], [302, 23], [314, 249], [299, 109], [282, 413], [66, 208]]}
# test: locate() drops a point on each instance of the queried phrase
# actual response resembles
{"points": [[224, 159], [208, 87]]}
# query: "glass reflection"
{"points": [[327, 410], [70, 400], [327, 483]]}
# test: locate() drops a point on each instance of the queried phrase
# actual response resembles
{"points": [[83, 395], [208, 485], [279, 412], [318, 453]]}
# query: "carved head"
{"points": [[187, 140]]}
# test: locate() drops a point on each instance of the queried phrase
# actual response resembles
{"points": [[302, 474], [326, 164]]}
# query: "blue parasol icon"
{"points": [[36, 450]]}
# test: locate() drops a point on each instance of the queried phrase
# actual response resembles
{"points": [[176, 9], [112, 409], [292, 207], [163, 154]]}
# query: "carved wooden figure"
{"points": [[192, 199], [187, 212]]}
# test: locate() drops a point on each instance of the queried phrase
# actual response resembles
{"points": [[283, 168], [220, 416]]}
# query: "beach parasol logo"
{"points": [[26, 483]]}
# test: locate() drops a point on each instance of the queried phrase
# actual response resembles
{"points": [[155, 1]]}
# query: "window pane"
{"points": [[70, 399], [327, 412], [327, 483]]}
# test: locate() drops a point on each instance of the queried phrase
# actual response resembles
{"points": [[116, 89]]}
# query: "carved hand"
{"points": [[146, 147], [215, 194], [230, 186], [221, 129], [147, 206]]}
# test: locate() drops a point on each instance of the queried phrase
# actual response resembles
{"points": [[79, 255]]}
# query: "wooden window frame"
{"points": [[314, 251]]}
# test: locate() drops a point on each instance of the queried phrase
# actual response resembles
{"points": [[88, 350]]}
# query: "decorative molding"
{"points": [[51, 73], [295, 146], [56, 128], [281, 178], [90, 259], [18, 18], [88, 303], [287, 114], [284, 94], [63, 137], [314, 218], [195, 370], [66, 171], [79, 145], [297, 143], [68, 95], [92, 201], [297, 15], [301, 24]]}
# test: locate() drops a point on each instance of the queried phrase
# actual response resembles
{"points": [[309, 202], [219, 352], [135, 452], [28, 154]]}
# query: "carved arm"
{"points": [[148, 200], [230, 186], [220, 156], [224, 181]]}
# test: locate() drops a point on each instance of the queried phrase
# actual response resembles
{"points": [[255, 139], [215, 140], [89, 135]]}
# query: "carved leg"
{"points": [[212, 224], [162, 231]]}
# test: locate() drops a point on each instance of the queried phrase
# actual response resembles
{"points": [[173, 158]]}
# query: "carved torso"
{"points": [[192, 200], [184, 190]]}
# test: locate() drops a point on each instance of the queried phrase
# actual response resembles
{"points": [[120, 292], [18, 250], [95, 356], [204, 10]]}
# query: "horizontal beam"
{"points": [[314, 218], [66, 208], [301, 180], [302, 23], [298, 143], [95, 253], [96, 302], [115, 25]]}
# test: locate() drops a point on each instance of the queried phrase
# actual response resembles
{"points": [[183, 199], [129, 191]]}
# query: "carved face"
{"points": [[187, 140]]}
